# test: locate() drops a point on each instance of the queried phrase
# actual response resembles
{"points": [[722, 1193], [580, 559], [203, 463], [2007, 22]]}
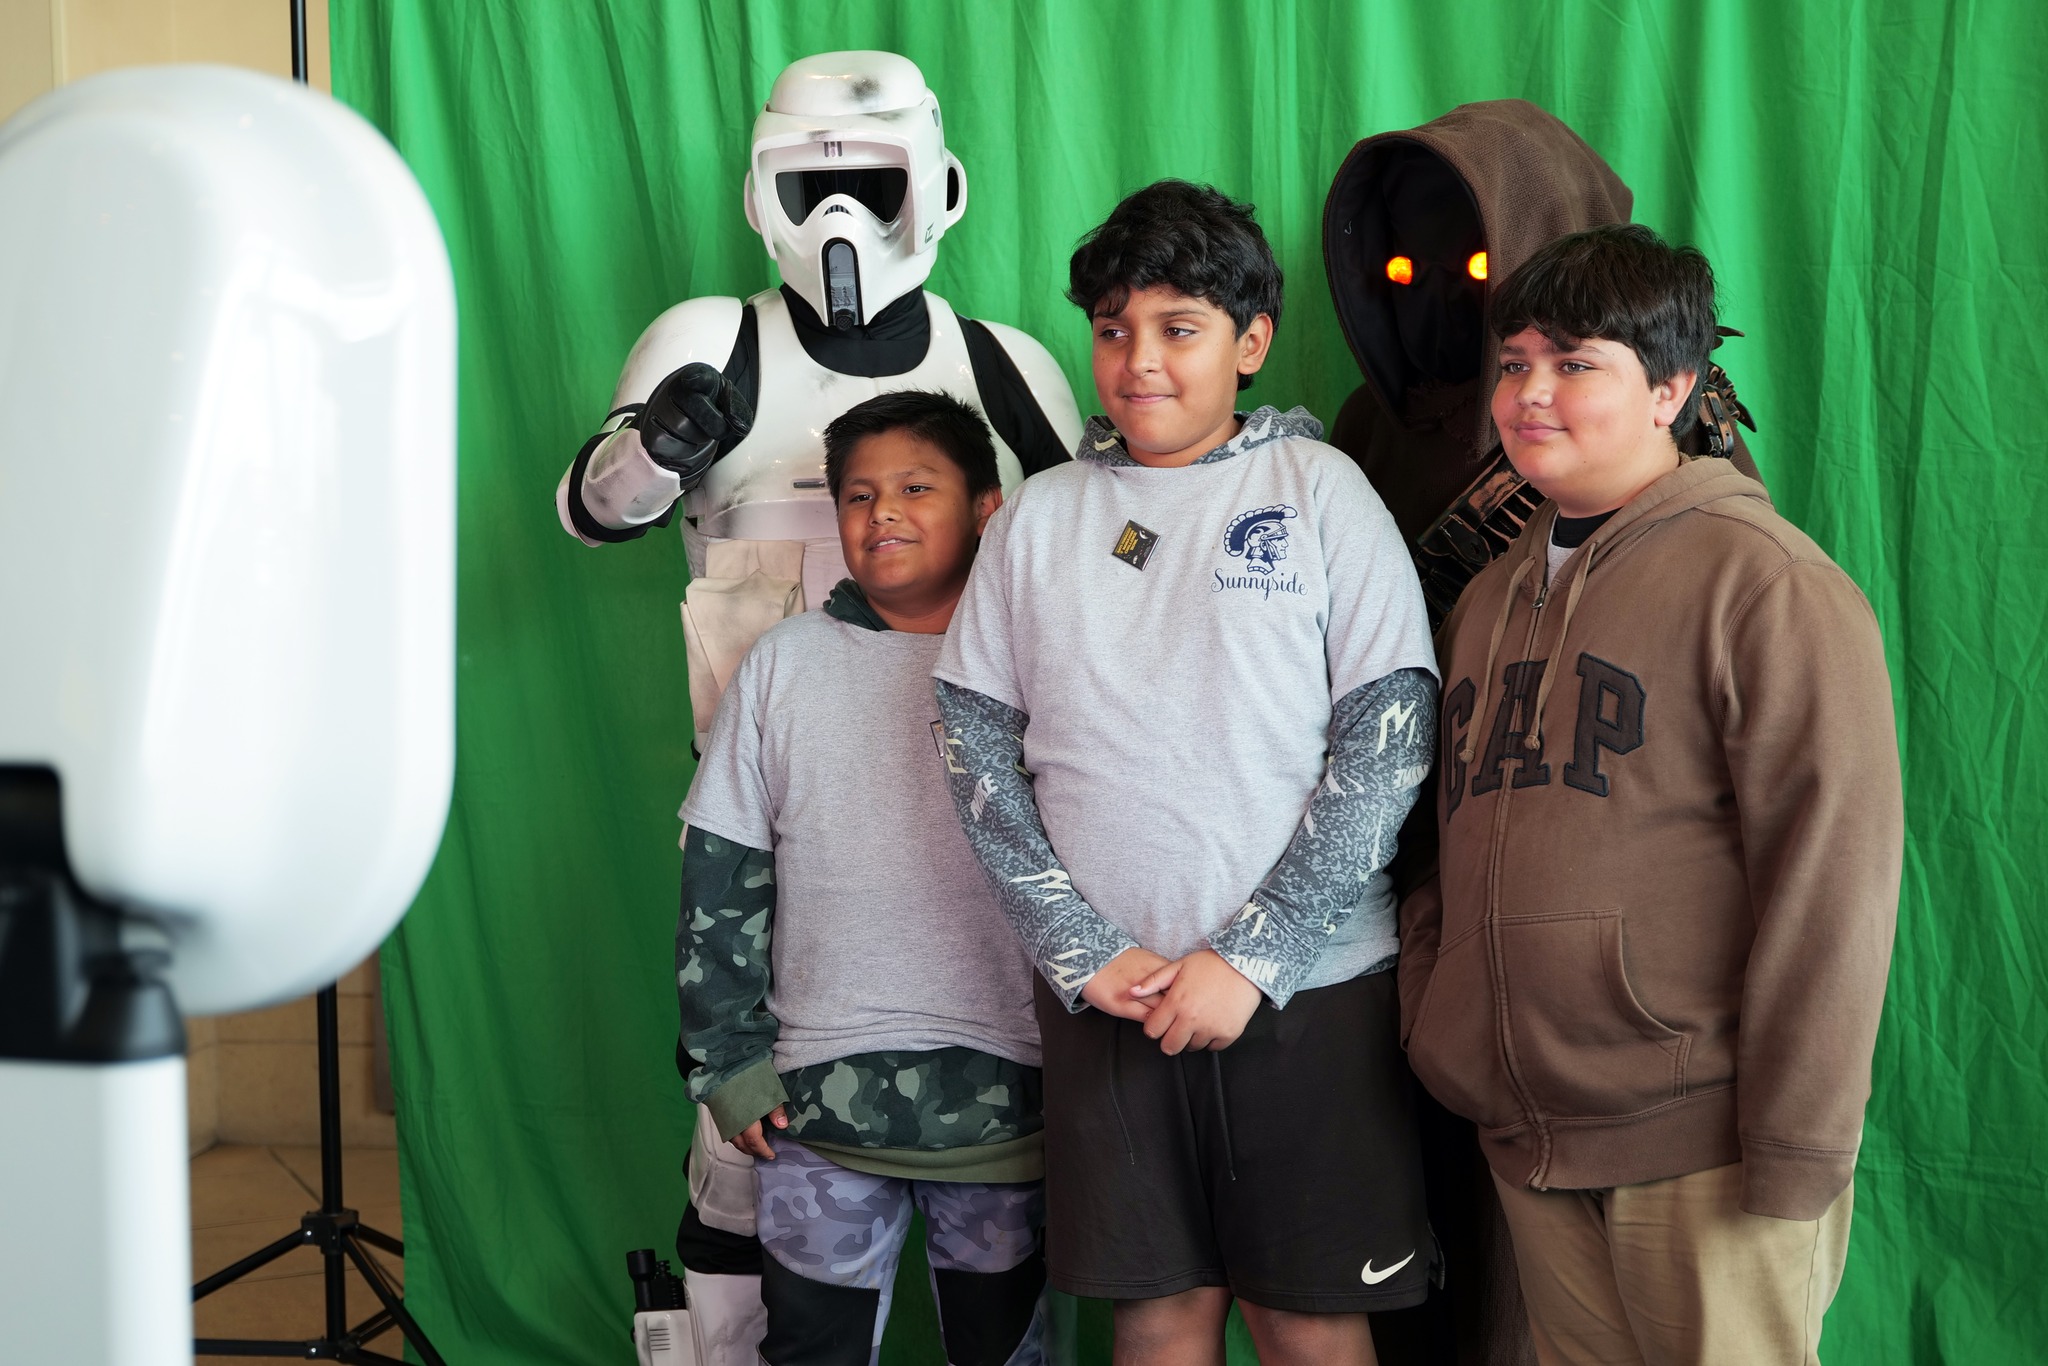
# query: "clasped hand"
{"points": [[1199, 1001], [753, 1140]]}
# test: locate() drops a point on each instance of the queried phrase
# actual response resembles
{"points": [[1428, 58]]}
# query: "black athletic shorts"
{"points": [[1285, 1166]]}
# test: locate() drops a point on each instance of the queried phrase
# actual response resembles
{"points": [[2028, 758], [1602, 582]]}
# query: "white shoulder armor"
{"points": [[1043, 376], [694, 330], [621, 487]]}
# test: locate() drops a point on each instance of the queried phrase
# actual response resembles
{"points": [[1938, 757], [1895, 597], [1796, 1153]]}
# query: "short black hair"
{"points": [[1618, 282], [1194, 239], [936, 419]]}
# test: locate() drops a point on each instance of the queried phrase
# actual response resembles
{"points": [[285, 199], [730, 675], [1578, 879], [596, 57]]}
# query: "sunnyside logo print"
{"points": [[1259, 538]]}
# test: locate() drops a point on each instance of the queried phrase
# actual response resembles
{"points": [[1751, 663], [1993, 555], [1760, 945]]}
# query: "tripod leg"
{"points": [[374, 1326], [296, 1238], [300, 1350], [382, 1287], [336, 1278], [383, 1240]]}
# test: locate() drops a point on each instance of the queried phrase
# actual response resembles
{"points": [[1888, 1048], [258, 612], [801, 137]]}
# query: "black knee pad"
{"points": [[712, 1251], [814, 1324], [983, 1315]]}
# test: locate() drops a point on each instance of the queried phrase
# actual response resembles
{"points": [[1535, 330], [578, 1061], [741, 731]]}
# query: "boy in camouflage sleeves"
{"points": [[856, 1007]]}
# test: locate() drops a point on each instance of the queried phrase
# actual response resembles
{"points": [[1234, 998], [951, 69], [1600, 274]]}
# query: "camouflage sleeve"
{"points": [[1381, 737], [1065, 936], [722, 968], [931, 1099]]}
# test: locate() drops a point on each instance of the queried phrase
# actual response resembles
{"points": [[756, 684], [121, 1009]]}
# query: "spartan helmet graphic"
{"points": [[1260, 536]]}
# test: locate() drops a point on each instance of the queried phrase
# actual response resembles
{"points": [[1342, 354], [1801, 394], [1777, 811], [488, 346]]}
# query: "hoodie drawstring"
{"points": [[1500, 626], [1533, 739]]}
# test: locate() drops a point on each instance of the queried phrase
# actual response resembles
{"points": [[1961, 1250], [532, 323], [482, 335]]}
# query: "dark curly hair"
{"points": [[936, 419], [1193, 239], [1620, 282]]}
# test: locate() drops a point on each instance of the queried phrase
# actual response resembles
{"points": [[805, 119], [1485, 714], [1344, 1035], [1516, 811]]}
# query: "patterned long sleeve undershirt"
{"points": [[722, 972], [898, 1099], [1382, 735], [1068, 939]]}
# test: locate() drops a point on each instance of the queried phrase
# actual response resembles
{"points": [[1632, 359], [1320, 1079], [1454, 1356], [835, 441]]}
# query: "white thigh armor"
{"points": [[721, 1179]]}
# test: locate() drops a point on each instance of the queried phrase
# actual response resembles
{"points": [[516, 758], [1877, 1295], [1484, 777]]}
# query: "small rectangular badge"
{"points": [[1134, 546]]}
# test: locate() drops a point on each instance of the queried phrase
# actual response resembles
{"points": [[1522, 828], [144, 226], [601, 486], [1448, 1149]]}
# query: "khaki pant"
{"points": [[1673, 1273]]}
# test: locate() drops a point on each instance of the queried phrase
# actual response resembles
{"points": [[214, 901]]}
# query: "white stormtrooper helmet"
{"points": [[851, 184]]}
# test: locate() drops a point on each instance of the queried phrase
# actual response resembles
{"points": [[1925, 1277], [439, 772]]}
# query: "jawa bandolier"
{"points": [[1417, 225]]}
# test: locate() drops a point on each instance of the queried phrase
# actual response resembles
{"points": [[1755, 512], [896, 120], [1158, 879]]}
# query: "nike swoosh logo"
{"points": [[1371, 1277]]}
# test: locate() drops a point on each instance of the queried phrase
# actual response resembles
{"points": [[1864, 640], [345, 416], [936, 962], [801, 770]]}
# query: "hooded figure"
{"points": [[1418, 223]]}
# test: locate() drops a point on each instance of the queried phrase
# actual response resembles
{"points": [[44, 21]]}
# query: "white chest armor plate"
{"points": [[772, 486]]}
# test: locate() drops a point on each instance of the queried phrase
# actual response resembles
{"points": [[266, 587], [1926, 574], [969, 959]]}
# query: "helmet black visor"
{"points": [[880, 189]]}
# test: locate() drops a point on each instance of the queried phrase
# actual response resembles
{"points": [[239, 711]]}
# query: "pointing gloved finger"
{"points": [[739, 416], [702, 413], [698, 378], [682, 398]]}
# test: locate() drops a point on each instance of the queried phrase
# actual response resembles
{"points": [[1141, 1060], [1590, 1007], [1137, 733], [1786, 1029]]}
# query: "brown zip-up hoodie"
{"points": [[1671, 832]]}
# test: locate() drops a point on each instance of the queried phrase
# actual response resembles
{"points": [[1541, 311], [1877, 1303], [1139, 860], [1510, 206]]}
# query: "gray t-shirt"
{"points": [[886, 934], [1177, 638]]}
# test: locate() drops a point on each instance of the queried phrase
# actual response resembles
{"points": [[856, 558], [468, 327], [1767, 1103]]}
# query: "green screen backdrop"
{"points": [[1869, 182]]}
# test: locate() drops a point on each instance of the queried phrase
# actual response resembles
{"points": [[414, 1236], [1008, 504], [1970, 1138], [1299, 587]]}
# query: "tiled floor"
{"points": [[244, 1198]]}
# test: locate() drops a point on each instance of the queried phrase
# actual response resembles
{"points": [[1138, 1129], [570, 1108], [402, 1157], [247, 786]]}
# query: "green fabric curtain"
{"points": [[1868, 180]]}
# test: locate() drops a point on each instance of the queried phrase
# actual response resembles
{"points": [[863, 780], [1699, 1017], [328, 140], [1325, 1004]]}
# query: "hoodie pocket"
{"points": [[1454, 1049], [1584, 1045]]}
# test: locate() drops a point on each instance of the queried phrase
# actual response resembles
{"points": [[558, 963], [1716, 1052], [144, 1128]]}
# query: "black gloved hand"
{"points": [[693, 417]]}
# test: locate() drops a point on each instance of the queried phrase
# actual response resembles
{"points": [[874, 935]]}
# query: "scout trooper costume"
{"points": [[851, 187]]}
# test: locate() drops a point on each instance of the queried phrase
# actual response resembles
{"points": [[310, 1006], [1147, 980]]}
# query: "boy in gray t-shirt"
{"points": [[848, 984], [1190, 697]]}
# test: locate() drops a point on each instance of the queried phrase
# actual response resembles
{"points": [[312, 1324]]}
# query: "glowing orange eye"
{"points": [[1476, 267], [1401, 270]]}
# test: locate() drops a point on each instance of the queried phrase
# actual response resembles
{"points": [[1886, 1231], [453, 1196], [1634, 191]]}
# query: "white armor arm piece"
{"points": [[1043, 376], [622, 487]]}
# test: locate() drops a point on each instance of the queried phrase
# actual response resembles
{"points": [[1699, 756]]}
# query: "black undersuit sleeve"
{"points": [[743, 366], [1011, 407]]}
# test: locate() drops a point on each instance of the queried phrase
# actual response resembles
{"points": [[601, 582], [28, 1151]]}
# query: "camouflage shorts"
{"points": [[832, 1224]]}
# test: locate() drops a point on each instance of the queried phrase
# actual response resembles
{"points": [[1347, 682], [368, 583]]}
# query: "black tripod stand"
{"points": [[334, 1230]]}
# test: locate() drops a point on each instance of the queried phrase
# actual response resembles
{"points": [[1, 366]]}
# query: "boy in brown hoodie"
{"points": [[1652, 964]]}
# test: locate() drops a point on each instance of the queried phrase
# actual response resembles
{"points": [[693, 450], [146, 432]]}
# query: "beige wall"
{"points": [[44, 43], [28, 51], [202, 1085], [254, 1077]]}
